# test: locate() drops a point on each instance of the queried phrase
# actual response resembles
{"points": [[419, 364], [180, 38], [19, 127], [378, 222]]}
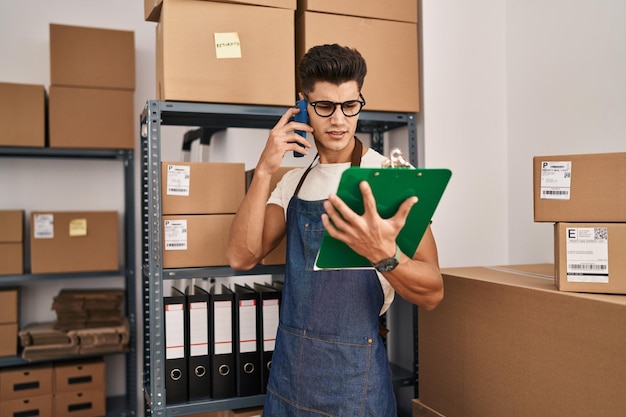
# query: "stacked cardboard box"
{"points": [[75, 389], [26, 391], [11, 242], [92, 83], [224, 51], [385, 33], [70, 241], [199, 202], [23, 115], [9, 319], [80, 389], [585, 198]]}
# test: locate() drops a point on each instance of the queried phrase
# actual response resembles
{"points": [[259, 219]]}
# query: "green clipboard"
{"points": [[390, 186]]}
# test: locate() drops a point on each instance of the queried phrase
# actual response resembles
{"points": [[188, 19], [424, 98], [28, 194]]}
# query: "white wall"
{"points": [[505, 81]]}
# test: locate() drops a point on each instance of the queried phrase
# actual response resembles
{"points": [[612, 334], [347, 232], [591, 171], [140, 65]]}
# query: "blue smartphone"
{"points": [[302, 117]]}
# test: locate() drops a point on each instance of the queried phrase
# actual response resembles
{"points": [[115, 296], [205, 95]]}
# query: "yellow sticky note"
{"points": [[78, 227], [227, 45]]}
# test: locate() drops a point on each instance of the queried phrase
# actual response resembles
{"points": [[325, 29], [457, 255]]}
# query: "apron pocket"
{"points": [[321, 373]]}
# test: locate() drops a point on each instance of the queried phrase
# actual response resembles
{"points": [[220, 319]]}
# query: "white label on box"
{"points": [[556, 180], [175, 232], [227, 45], [587, 254], [44, 226], [178, 177]]}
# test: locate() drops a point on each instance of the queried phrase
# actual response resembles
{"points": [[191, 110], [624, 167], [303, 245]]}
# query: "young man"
{"points": [[329, 358]]}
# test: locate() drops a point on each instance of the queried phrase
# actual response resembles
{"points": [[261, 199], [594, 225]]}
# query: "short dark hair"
{"points": [[331, 63]]}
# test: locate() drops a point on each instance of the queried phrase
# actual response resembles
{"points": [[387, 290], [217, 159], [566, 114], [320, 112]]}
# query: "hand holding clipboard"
{"points": [[391, 187]]}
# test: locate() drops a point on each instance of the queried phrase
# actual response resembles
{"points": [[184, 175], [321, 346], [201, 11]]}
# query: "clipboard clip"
{"points": [[396, 160]]}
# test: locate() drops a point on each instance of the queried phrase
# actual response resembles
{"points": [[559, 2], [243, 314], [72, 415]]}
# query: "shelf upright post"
{"points": [[130, 282], [154, 340]]}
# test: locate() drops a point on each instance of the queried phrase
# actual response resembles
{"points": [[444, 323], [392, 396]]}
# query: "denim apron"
{"points": [[329, 358]]}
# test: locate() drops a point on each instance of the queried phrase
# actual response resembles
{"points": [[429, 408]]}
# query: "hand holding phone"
{"points": [[302, 117]]}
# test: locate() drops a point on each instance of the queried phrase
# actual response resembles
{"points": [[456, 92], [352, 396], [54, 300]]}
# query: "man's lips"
{"points": [[336, 133]]}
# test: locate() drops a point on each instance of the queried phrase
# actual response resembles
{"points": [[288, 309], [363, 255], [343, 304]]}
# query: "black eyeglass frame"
{"points": [[335, 104]]}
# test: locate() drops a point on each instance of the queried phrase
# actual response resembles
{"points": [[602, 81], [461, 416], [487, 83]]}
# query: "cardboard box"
{"points": [[80, 403], [580, 188], [400, 10], [278, 255], [11, 242], [11, 258], [392, 81], [80, 376], [9, 302], [8, 341], [589, 257], [202, 187], [74, 241], [91, 118], [25, 382], [22, 115], [11, 226], [152, 8], [506, 342], [195, 240], [31, 406], [225, 53], [92, 57]]}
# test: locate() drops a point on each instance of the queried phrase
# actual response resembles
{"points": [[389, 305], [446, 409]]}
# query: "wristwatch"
{"points": [[389, 264]]}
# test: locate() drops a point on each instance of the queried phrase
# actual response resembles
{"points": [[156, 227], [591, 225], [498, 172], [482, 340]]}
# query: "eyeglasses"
{"points": [[326, 108]]}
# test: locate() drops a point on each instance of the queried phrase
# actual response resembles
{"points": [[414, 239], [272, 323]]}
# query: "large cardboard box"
{"points": [[91, 118], [225, 53], [505, 342], [31, 406], [400, 10], [8, 341], [9, 304], [580, 188], [11, 242], [25, 382], [590, 257], [9, 319], [80, 403], [74, 241], [80, 376], [152, 8], [202, 187], [195, 240], [22, 115], [92, 57], [392, 81]]}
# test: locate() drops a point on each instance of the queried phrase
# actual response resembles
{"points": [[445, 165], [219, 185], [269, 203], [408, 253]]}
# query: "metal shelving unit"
{"points": [[213, 116], [118, 406]]}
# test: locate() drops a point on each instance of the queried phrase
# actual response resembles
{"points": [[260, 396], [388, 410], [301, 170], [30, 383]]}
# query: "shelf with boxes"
{"points": [[157, 270], [28, 274]]}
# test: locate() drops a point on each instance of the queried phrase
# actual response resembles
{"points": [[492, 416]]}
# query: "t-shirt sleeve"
{"points": [[285, 188]]}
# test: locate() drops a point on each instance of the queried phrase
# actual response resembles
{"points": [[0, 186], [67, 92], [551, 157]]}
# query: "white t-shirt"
{"points": [[322, 181]]}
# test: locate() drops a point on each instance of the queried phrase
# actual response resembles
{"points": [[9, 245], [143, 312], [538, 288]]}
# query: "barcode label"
{"points": [[175, 232], [587, 254], [178, 178], [555, 180]]}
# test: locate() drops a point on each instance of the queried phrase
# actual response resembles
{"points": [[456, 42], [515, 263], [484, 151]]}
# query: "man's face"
{"points": [[333, 134]]}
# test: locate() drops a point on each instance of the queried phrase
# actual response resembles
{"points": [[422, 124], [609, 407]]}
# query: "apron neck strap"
{"points": [[357, 152]]}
